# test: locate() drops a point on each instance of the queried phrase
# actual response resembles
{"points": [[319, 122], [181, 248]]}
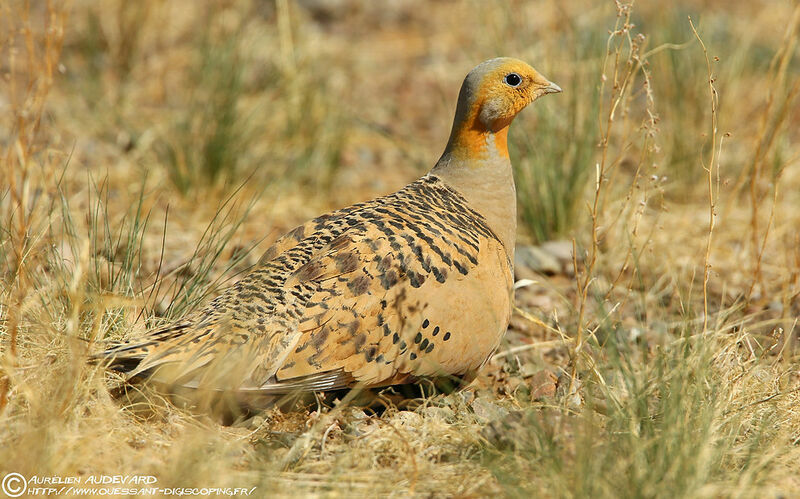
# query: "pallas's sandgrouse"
{"points": [[411, 285]]}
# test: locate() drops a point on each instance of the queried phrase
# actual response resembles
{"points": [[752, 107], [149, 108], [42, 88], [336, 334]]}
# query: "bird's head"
{"points": [[492, 94]]}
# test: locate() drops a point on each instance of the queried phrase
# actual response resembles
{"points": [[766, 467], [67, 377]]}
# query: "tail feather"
{"points": [[125, 357]]}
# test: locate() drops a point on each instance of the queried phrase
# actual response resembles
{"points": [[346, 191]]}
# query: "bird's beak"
{"points": [[551, 88]]}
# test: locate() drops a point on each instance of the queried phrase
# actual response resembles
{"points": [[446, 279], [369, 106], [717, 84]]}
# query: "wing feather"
{"points": [[376, 293]]}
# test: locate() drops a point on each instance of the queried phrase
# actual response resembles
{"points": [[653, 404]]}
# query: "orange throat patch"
{"points": [[478, 143]]}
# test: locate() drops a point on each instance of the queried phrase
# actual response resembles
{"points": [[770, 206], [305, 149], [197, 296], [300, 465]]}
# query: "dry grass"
{"points": [[150, 150]]}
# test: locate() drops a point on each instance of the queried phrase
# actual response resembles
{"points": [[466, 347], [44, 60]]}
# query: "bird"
{"points": [[413, 285]]}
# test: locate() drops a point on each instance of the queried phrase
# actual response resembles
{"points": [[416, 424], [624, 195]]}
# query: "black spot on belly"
{"points": [[463, 270], [429, 349], [446, 336], [353, 326], [318, 338], [426, 323], [359, 341], [346, 261], [389, 279], [436, 330], [416, 279], [359, 285], [424, 344], [418, 338], [440, 274], [384, 263]]}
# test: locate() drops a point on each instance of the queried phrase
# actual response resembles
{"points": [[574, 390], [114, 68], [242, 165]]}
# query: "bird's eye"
{"points": [[512, 79]]}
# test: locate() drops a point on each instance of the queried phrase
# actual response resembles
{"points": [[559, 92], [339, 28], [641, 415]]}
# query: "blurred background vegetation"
{"points": [[151, 149], [329, 96]]}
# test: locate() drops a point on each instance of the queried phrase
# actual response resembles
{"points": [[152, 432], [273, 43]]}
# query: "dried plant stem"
{"points": [[29, 82], [709, 168], [763, 245], [621, 80], [775, 113]]}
